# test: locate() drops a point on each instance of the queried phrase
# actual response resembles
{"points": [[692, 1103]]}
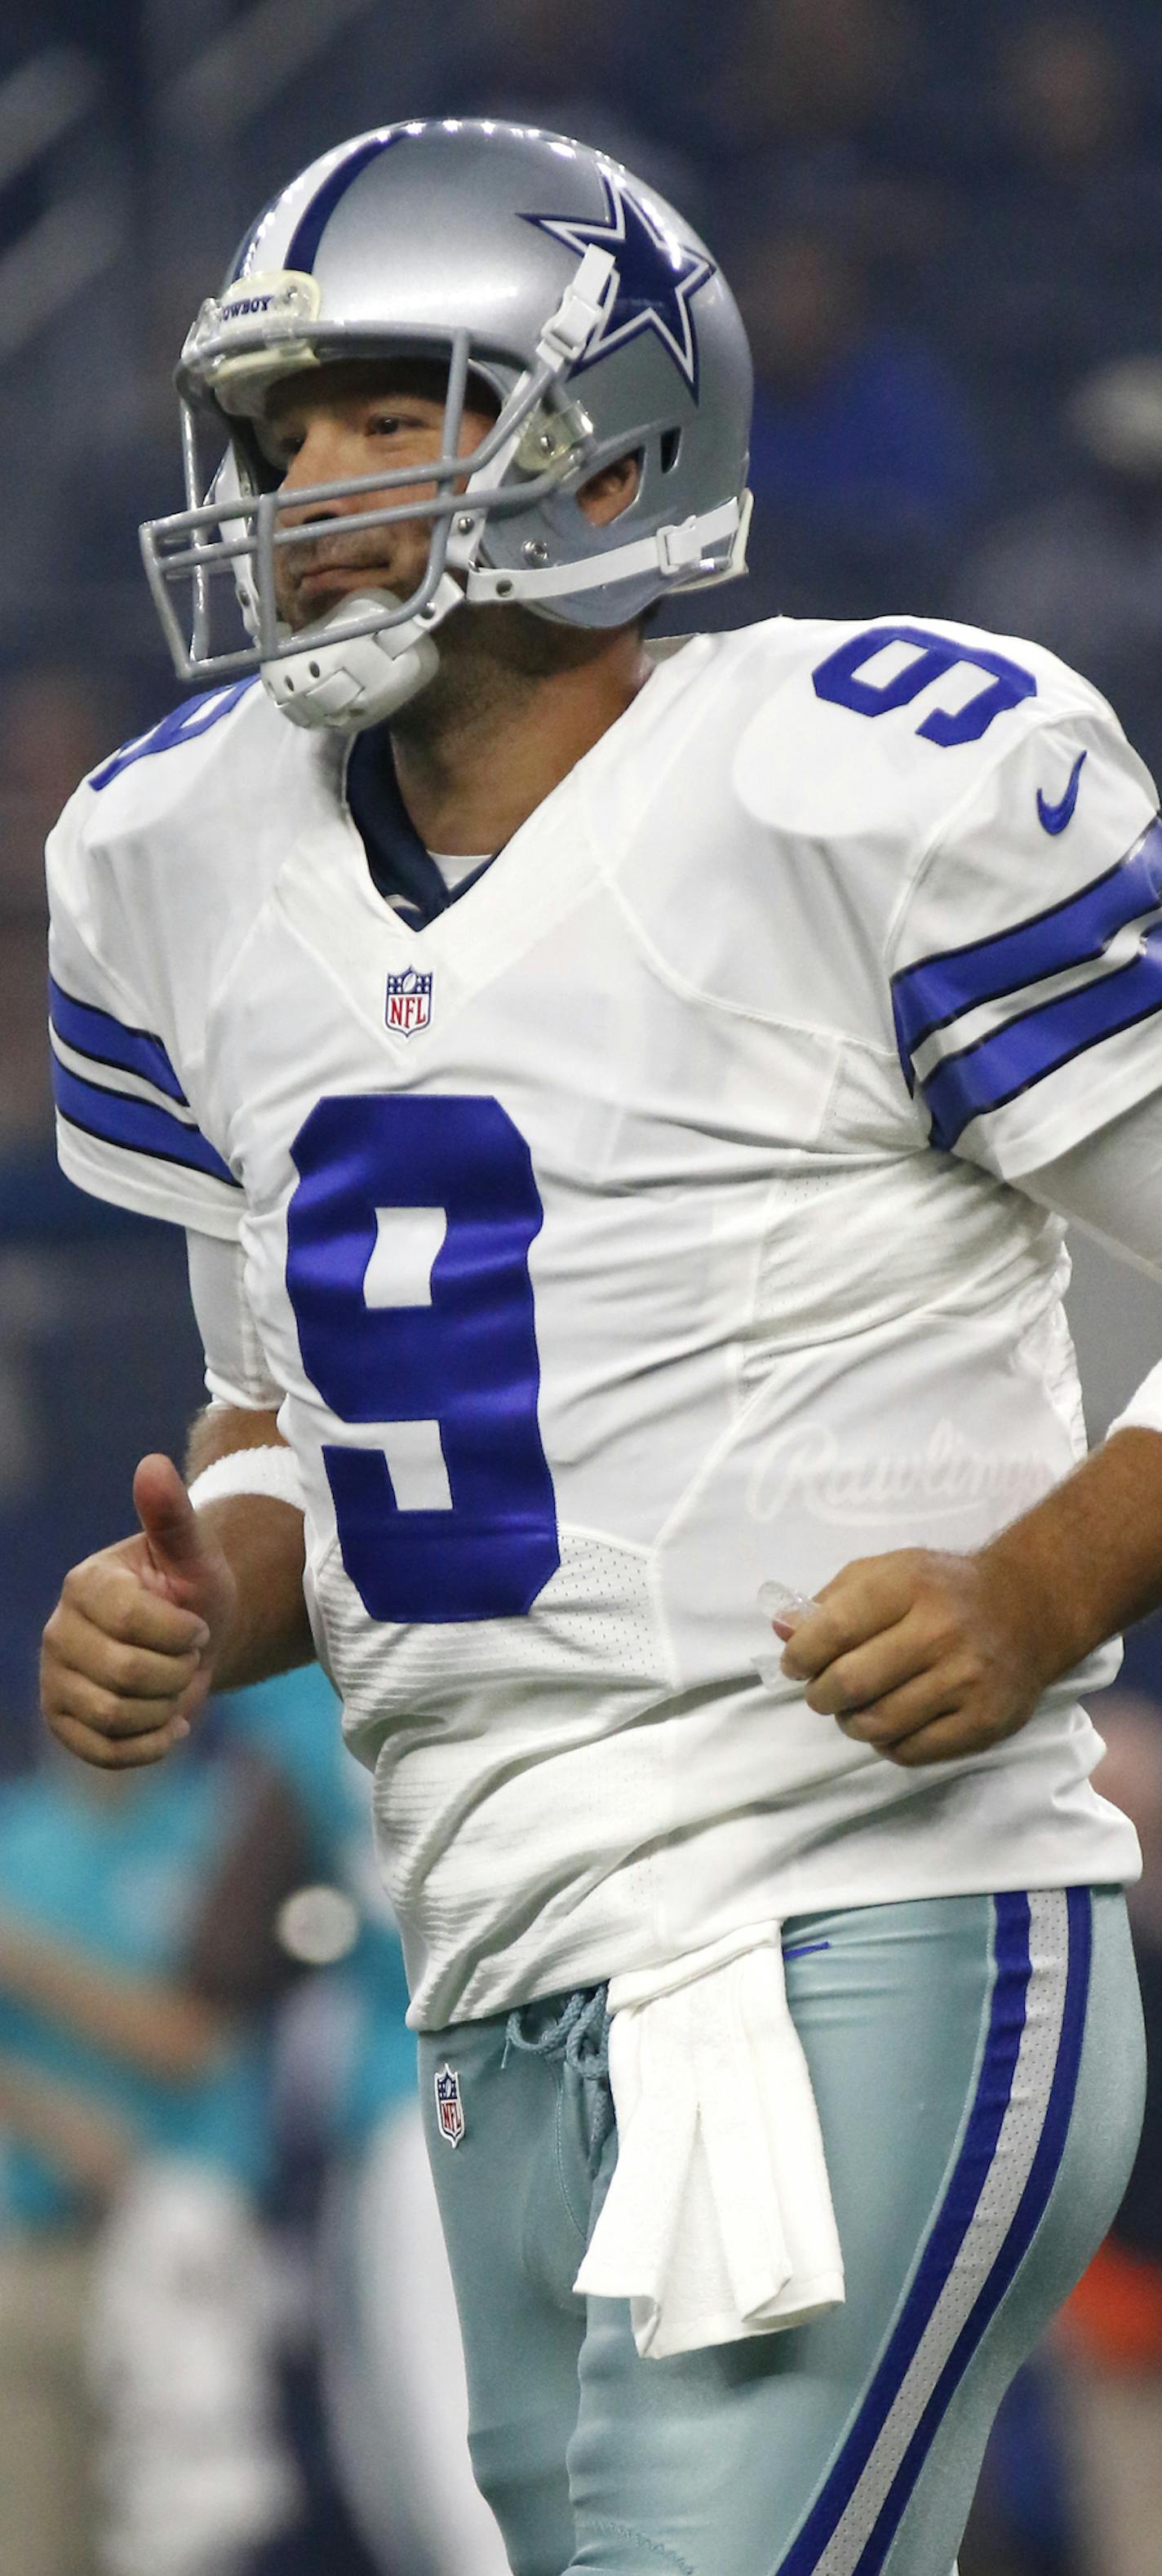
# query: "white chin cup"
{"points": [[360, 682]]}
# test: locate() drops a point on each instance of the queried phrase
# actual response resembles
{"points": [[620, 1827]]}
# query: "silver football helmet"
{"points": [[601, 328]]}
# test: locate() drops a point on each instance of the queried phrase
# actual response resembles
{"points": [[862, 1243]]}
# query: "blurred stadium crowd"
{"points": [[225, 2337]]}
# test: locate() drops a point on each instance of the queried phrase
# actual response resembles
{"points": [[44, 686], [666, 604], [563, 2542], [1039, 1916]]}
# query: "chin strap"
{"points": [[363, 679]]}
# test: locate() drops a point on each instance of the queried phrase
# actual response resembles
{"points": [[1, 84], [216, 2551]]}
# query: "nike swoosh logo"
{"points": [[1055, 817]]}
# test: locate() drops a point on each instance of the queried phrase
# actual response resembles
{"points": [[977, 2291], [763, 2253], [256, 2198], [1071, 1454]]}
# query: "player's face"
{"points": [[348, 420]]}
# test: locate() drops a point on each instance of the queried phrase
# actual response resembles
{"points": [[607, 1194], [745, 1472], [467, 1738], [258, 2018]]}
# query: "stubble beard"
{"points": [[494, 662]]}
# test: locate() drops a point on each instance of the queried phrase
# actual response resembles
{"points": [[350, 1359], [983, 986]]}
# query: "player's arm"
{"points": [[261, 1538], [259, 1535], [930, 1656], [144, 1627], [194, 1600]]}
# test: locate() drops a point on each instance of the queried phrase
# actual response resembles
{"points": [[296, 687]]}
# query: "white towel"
{"points": [[718, 2223]]}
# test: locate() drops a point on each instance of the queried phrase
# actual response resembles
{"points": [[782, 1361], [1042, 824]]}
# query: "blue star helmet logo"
{"points": [[657, 276]]}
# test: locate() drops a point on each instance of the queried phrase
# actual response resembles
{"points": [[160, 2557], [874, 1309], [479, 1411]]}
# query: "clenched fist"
{"points": [[129, 1652]]}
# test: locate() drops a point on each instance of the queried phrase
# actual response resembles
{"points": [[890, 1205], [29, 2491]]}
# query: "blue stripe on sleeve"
{"points": [[108, 1041], [139, 1125], [1010, 1060], [1073, 933]]}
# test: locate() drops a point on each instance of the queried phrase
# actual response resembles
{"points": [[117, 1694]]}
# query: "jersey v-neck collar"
{"points": [[401, 869], [557, 855]]}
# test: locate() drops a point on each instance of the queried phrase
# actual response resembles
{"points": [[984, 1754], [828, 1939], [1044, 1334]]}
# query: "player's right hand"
{"points": [[129, 1652]]}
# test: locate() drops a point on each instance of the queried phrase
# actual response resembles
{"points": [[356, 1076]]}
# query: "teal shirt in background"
{"points": [[294, 1724], [117, 1871]]}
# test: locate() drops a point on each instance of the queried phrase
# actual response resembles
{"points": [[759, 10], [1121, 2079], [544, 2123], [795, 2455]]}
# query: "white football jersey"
{"points": [[641, 1228]]}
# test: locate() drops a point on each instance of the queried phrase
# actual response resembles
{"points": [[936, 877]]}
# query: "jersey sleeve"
{"points": [[1026, 962], [127, 1124], [237, 1369]]}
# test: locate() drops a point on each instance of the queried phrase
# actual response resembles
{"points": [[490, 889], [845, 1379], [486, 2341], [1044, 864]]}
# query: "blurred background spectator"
{"points": [[864, 461], [209, 2132], [1083, 568], [392, 2388], [945, 229], [136, 2414], [1058, 260]]}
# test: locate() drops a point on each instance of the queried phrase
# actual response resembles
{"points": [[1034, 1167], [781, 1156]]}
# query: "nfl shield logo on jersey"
{"points": [[449, 2107], [409, 1001]]}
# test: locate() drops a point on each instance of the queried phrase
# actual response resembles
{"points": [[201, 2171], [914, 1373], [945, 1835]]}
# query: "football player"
{"points": [[623, 1099]]}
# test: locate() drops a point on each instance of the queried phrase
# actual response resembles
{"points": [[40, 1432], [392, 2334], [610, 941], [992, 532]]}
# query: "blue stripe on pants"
{"points": [[1006, 2024], [1046, 2166]]}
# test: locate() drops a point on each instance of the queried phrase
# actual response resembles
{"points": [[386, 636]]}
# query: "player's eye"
{"points": [[279, 446], [388, 424]]}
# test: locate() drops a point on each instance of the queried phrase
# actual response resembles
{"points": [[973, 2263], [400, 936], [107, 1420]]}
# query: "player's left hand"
{"points": [[924, 1656]]}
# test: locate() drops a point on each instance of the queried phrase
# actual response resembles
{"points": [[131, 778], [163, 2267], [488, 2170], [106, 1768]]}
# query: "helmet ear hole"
{"points": [[669, 449]]}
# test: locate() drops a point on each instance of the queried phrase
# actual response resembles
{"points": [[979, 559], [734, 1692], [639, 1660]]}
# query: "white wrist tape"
{"points": [[267, 1470], [1144, 1410]]}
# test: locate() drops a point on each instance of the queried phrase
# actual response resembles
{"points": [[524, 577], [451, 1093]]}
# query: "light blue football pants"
{"points": [[978, 2064]]}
